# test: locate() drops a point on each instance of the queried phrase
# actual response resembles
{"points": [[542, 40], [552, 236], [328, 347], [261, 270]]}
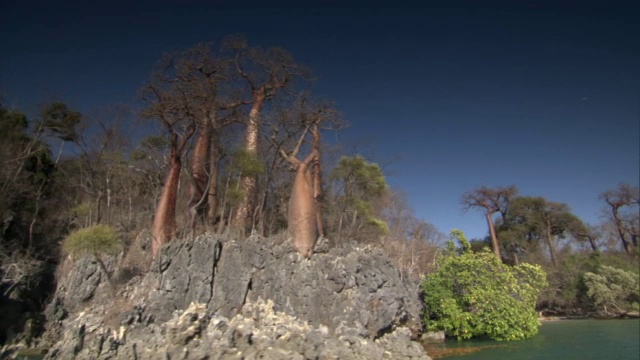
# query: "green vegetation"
{"points": [[63, 170], [361, 190], [475, 294], [95, 240], [611, 290], [247, 163]]}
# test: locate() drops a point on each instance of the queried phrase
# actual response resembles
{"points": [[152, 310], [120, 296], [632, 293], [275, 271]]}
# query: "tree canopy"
{"points": [[474, 294]]}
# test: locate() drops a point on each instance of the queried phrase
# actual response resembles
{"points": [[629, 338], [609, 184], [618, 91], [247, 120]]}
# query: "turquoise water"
{"points": [[565, 340]]}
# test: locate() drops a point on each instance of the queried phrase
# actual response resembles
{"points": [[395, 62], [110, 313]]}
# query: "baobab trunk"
{"points": [[164, 221], [248, 183], [303, 217], [494, 238], [199, 160]]}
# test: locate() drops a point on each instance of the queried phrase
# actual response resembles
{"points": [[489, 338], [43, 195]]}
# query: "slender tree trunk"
{"points": [[164, 221], [108, 212], [340, 225], [620, 228], [99, 207], [592, 242], [213, 183], [552, 246], [516, 259], [317, 180], [248, 183], [494, 239]]}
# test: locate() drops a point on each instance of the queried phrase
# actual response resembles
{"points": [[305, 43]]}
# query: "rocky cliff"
{"points": [[211, 297]]}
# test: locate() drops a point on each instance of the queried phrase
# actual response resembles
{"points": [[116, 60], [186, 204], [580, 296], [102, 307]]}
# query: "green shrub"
{"points": [[247, 163], [474, 294], [94, 240], [612, 290]]}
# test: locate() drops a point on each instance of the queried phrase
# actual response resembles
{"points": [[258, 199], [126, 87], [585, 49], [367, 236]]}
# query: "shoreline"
{"points": [[625, 316]]}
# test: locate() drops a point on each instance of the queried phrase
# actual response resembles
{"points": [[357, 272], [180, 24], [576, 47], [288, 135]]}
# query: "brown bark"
{"points": [[164, 221], [213, 183], [248, 183], [492, 200], [199, 170], [317, 179], [590, 236], [301, 217], [494, 239]]}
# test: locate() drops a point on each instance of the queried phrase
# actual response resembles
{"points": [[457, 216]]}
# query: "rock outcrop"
{"points": [[256, 298]]}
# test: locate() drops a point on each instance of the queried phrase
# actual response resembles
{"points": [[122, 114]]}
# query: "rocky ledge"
{"points": [[214, 298]]}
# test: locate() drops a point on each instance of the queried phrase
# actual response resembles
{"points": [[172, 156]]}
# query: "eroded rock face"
{"points": [[209, 291], [257, 332]]}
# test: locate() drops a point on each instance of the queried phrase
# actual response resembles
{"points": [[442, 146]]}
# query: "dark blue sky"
{"points": [[454, 94]]}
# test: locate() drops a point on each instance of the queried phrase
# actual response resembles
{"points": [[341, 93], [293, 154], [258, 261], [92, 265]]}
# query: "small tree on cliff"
{"points": [[361, 185], [96, 241], [474, 294]]}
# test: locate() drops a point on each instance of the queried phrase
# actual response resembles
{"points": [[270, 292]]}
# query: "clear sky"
{"points": [[449, 95]]}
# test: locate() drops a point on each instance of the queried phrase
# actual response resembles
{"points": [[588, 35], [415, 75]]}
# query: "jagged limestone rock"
{"points": [[257, 332], [204, 297]]}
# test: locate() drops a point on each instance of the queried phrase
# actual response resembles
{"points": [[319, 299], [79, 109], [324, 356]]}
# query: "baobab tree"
{"points": [[303, 218], [289, 121], [624, 211], [492, 201], [206, 77], [265, 73], [170, 102]]}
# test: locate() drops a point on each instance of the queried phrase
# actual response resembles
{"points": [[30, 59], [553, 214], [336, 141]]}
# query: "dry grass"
{"points": [[413, 257]]}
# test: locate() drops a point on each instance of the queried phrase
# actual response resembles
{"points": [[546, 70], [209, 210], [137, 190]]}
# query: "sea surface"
{"points": [[563, 339]]}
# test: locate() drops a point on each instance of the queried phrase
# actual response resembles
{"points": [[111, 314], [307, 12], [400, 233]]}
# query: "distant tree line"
{"points": [[536, 230]]}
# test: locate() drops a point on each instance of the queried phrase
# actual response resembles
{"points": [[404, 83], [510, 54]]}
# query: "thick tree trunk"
{"points": [[164, 221], [248, 183], [199, 161], [494, 239]]}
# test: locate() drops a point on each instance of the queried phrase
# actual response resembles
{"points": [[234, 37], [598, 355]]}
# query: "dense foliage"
{"points": [[475, 294], [612, 290]]}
